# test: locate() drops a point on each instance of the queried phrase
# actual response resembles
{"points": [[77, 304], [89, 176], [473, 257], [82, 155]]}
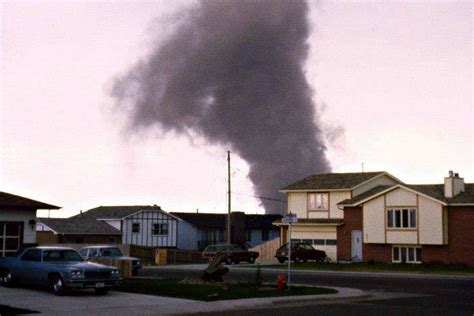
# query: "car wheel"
{"points": [[7, 279], [101, 291], [228, 260], [296, 259], [281, 259], [57, 285], [134, 272], [252, 260]]}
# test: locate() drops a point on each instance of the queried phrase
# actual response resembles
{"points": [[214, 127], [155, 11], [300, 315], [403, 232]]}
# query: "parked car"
{"points": [[110, 252], [60, 268], [300, 252], [234, 253]]}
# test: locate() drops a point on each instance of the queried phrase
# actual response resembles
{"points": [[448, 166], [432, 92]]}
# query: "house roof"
{"points": [[203, 220], [314, 221], [116, 212], [435, 191], [79, 226], [263, 221], [215, 220], [11, 200], [332, 181]]}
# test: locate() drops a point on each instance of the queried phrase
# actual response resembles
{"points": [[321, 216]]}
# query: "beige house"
{"points": [[315, 202]]}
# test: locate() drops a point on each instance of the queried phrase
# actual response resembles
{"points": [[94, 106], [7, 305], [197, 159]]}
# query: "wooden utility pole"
{"points": [[228, 199]]}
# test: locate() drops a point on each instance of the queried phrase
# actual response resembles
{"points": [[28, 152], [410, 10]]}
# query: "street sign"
{"points": [[289, 218]]}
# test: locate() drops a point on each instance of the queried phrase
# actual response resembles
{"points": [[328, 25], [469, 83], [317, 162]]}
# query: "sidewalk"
{"points": [[119, 303]]}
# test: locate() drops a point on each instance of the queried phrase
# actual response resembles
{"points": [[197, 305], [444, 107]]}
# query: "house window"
{"points": [[318, 242], [331, 242], [265, 234], [318, 201], [401, 218], [160, 229], [135, 228], [401, 254]]}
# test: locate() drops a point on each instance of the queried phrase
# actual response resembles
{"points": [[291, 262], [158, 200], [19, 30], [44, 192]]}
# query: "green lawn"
{"points": [[211, 292], [376, 267]]}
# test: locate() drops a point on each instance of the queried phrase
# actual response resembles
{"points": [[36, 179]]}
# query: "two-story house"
{"points": [[382, 219], [315, 202]]}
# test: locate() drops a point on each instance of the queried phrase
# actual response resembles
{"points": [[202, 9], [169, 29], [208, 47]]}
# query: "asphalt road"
{"points": [[392, 295]]}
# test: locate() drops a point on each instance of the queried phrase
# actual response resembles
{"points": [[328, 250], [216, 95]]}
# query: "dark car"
{"points": [[300, 252], [234, 253], [59, 268], [110, 252]]}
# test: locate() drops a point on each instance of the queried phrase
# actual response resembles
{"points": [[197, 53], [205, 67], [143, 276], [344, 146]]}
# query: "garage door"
{"points": [[11, 236]]}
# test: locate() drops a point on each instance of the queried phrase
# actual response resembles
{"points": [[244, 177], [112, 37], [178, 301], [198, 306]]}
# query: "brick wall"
{"points": [[461, 235], [377, 252], [352, 221]]}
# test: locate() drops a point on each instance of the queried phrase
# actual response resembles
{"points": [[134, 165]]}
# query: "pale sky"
{"points": [[396, 76]]}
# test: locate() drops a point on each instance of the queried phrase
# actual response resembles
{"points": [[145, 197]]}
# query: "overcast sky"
{"points": [[396, 77]]}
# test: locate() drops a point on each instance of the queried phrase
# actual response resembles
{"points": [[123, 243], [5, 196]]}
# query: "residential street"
{"points": [[392, 294]]}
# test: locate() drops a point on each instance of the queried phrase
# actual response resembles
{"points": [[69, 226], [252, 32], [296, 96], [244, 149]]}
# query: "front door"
{"points": [[357, 245]]}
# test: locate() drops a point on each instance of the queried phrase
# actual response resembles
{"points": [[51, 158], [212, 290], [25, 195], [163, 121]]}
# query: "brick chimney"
{"points": [[453, 185]]}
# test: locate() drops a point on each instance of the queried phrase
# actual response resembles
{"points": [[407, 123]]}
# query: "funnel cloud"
{"points": [[232, 73]]}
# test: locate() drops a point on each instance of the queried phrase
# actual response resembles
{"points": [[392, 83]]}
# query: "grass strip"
{"points": [[212, 292]]}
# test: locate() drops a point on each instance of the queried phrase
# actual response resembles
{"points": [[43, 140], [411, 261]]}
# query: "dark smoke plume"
{"points": [[232, 72]]}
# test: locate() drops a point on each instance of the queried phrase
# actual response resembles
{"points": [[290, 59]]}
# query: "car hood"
{"points": [[123, 258], [86, 265]]}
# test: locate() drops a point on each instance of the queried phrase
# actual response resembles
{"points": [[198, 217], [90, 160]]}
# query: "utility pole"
{"points": [[228, 199]]}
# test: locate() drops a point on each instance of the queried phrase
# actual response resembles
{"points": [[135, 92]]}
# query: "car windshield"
{"points": [[61, 255], [111, 252], [305, 246]]}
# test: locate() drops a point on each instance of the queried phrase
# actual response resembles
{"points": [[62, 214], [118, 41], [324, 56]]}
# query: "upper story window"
{"points": [[135, 228], [401, 218], [318, 201], [160, 229]]}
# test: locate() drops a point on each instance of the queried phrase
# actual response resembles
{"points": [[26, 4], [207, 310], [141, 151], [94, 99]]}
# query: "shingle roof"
{"points": [[336, 221], [365, 195], [332, 181], [79, 226], [11, 200], [115, 212], [204, 220], [435, 191], [218, 220]]}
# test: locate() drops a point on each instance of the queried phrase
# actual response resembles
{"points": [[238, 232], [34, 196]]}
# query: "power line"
{"points": [[260, 197]]}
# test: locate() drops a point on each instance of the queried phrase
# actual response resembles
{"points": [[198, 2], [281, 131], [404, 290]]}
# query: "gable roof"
{"points": [[433, 191], [79, 226], [261, 221], [333, 181], [11, 200], [116, 212]]}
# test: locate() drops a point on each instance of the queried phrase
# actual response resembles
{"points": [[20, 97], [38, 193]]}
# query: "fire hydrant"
{"points": [[281, 282]]}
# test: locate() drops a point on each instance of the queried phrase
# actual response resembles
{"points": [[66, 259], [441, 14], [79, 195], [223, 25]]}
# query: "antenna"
{"points": [[228, 198]]}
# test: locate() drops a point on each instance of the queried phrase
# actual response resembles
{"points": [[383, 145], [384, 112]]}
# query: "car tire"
{"points": [[281, 260], [252, 260], [57, 285], [134, 272], [228, 260], [101, 291], [296, 259], [7, 279]]}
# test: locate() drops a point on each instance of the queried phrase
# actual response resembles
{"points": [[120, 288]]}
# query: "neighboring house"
{"points": [[390, 222], [141, 225], [18, 221], [76, 230], [314, 200], [198, 230]]}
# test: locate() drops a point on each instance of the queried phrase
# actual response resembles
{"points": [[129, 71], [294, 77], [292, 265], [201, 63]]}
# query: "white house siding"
{"points": [[29, 233], [401, 197], [383, 180], [187, 236], [401, 237], [374, 221], [334, 198], [431, 222], [309, 233], [146, 219], [297, 204]]}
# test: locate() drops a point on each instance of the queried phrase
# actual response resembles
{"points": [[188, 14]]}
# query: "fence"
{"points": [[176, 256], [267, 250]]}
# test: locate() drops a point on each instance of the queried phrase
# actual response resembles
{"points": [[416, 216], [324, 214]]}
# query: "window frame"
{"points": [[324, 208], [405, 252], [133, 228], [160, 231], [402, 218]]}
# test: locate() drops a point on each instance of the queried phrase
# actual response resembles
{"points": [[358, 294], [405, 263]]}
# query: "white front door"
{"points": [[357, 245]]}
